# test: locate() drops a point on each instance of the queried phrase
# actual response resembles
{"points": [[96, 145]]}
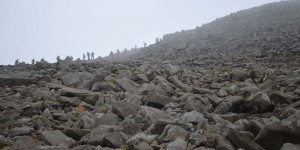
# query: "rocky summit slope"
{"points": [[176, 94]]}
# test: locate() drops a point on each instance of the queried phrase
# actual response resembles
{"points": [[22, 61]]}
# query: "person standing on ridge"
{"points": [[33, 61], [83, 58], [17, 62], [93, 54], [145, 44], [88, 55]]}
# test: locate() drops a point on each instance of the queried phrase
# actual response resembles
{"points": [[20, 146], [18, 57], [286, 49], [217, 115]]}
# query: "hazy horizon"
{"points": [[48, 28]]}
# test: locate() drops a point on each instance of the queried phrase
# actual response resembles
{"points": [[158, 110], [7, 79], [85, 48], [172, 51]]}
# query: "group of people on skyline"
{"points": [[91, 56]]}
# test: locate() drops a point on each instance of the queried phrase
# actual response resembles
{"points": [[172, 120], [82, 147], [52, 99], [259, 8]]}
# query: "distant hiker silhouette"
{"points": [[145, 44], [32, 61], [88, 55], [92, 55], [17, 62], [58, 59], [83, 57]]}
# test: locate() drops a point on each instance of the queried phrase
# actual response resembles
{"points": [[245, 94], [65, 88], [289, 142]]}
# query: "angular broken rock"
{"points": [[148, 115], [106, 119], [126, 84], [124, 109], [20, 131], [57, 138], [273, 136], [192, 117], [289, 146], [241, 141], [113, 140], [71, 92], [258, 102], [71, 79], [178, 144], [171, 132]]}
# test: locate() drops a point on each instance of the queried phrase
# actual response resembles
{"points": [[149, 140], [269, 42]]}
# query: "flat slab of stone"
{"points": [[10, 81], [57, 138]]}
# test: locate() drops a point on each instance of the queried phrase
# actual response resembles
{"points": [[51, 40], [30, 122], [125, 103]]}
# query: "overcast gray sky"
{"points": [[48, 28]]}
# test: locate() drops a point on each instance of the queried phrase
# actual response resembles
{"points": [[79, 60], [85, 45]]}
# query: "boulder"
{"points": [[288, 131], [289, 146], [178, 144], [258, 103], [57, 138], [106, 119], [279, 98], [171, 132], [149, 115], [124, 109], [192, 117], [242, 141], [71, 79], [113, 140]]}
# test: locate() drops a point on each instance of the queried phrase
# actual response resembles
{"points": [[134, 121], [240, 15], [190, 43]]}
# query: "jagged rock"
{"points": [[258, 102], [148, 115], [113, 140], [141, 146], [97, 134], [86, 122], [171, 132], [10, 81], [124, 109], [160, 125], [106, 119], [287, 113], [158, 101], [288, 131], [192, 117], [51, 148], [279, 98], [178, 83], [215, 100], [76, 134], [223, 144], [85, 147], [222, 92], [289, 146], [57, 138], [20, 131], [143, 77], [178, 144], [241, 141], [126, 84], [71, 79], [255, 127], [72, 92], [196, 90]]}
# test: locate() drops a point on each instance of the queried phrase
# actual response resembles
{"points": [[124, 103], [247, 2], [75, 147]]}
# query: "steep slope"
{"points": [[269, 29]]}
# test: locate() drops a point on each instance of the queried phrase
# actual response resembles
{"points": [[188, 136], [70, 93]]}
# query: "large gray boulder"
{"points": [[124, 109], [57, 138], [273, 136]]}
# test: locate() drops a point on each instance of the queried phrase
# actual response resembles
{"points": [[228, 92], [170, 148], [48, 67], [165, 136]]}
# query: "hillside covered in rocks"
{"points": [[227, 85]]}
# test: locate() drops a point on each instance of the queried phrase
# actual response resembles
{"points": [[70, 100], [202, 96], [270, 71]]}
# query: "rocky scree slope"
{"points": [[269, 29], [213, 101]]}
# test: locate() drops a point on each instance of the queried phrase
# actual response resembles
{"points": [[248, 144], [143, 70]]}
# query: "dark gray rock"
{"points": [[76, 134], [57, 138], [171, 132], [241, 141], [71, 79], [123, 109], [20, 131], [106, 119], [258, 102], [279, 98], [288, 131], [289, 146], [178, 144], [113, 140]]}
